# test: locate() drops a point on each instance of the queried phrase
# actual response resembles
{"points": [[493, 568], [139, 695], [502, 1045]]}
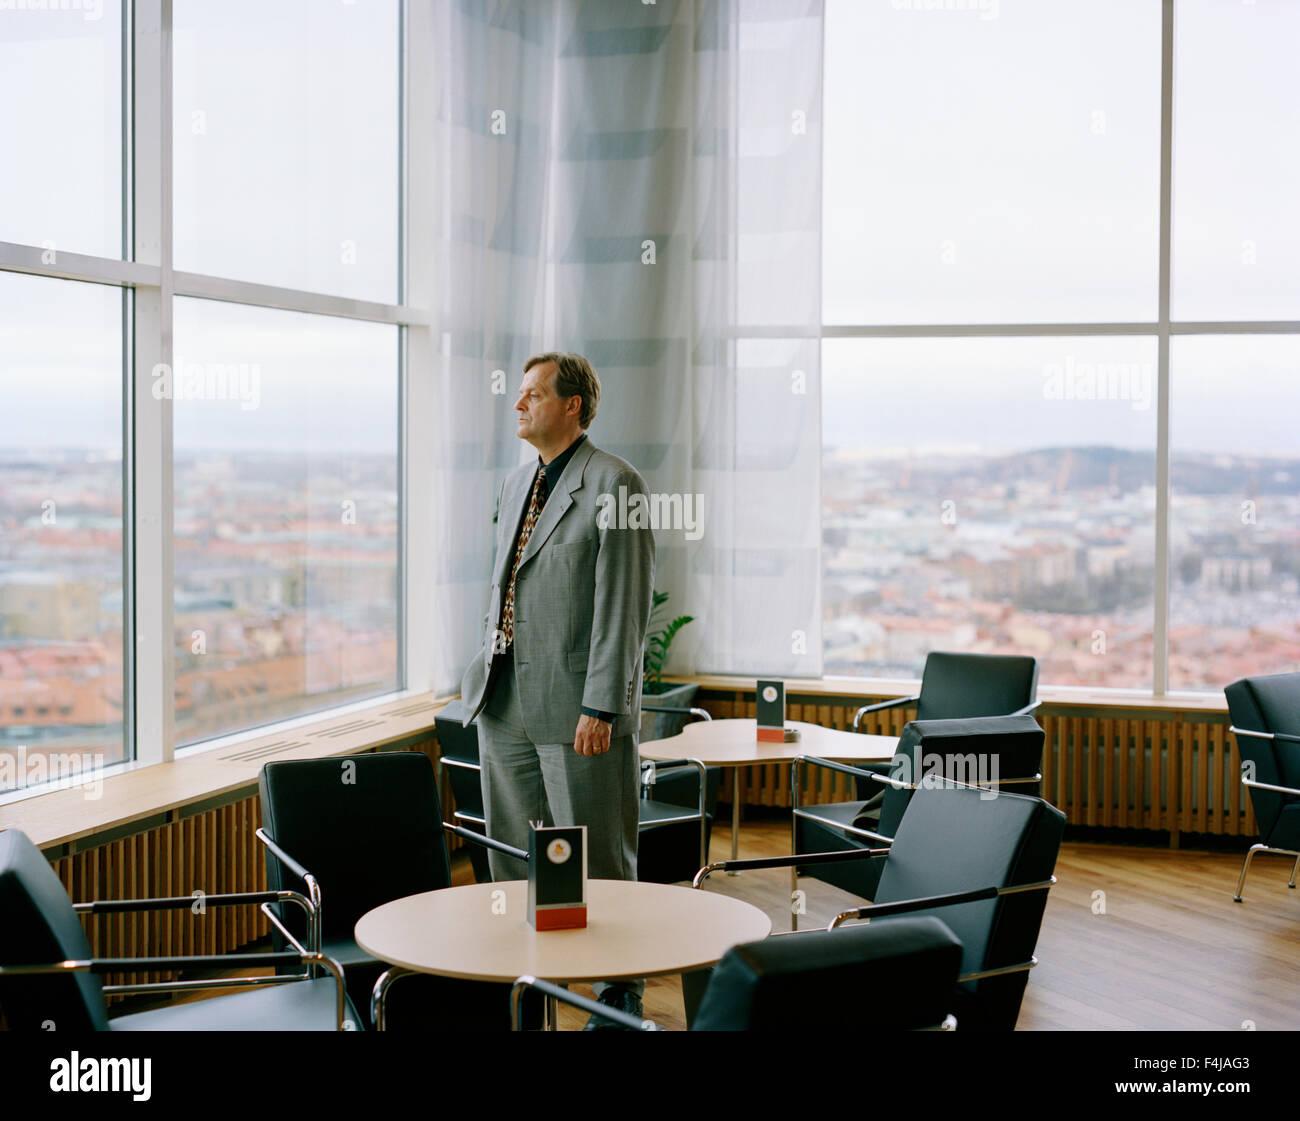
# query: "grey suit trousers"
{"points": [[524, 782]]}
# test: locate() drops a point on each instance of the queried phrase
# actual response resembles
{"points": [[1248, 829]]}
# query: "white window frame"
{"points": [[1162, 329], [150, 283]]}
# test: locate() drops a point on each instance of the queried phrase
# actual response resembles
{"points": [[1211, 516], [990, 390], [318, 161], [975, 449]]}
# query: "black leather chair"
{"points": [[953, 687], [675, 826], [899, 976], [459, 760], [670, 839], [354, 833], [1266, 721], [982, 862], [958, 685], [1003, 752], [50, 981]]}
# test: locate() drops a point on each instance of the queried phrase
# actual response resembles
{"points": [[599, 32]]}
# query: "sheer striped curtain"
{"points": [[641, 183]]}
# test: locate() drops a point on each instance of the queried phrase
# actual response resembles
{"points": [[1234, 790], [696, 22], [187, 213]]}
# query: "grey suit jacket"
{"points": [[582, 599]]}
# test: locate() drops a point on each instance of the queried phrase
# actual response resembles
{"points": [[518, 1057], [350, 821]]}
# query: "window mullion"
{"points": [[151, 451]]}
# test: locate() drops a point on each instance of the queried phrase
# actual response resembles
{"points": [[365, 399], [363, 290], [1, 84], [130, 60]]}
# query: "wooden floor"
{"points": [[1163, 946]]}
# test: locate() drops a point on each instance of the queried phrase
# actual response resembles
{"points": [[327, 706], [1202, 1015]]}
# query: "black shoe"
{"points": [[623, 1000]]}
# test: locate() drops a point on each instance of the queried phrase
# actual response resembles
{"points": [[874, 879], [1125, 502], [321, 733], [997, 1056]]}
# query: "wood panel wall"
{"points": [[212, 851], [1173, 772]]}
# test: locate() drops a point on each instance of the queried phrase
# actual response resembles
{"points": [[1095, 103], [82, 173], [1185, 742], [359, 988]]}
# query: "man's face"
{"points": [[542, 415]]}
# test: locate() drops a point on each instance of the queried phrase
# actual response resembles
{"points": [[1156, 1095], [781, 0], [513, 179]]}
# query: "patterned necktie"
{"points": [[530, 521]]}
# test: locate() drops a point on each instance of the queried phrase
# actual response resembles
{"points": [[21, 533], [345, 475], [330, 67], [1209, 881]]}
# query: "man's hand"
{"points": [[592, 736]]}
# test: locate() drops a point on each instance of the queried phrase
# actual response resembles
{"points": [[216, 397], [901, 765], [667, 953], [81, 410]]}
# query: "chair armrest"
{"points": [[698, 713], [184, 902], [222, 899], [1026, 710], [558, 992], [464, 764], [880, 706], [197, 961], [284, 858], [1269, 786], [843, 768], [486, 842], [316, 918], [951, 899], [842, 856], [1283, 736]]}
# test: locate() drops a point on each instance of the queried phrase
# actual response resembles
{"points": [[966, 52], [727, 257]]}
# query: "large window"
{"points": [[201, 365], [974, 499], [286, 143], [286, 515], [61, 129], [990, 484], [62, 683]]}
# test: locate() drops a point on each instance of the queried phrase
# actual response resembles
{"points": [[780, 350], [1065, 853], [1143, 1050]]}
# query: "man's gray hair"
{"points": [[574, 377]]}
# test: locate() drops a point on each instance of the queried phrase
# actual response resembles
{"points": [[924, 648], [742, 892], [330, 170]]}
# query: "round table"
{"points": [[735, 743], [633, 930]]}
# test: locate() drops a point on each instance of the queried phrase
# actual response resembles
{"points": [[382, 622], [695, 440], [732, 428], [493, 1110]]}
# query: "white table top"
{"points": [[734, 743], [633, 930]]}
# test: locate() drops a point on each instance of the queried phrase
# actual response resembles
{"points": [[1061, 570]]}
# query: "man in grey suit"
{"points": [[556, 686]]}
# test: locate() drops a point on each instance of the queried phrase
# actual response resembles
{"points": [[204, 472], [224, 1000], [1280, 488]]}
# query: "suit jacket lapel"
{"points": [[559, 502], [514, 501]]}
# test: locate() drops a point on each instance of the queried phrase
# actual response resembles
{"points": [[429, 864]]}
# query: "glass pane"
{"points": [[1234, 541], [286, 514], [991, 163], [61, 678], [989, 495], [286, 143], [61, 128], [1236, 162]]}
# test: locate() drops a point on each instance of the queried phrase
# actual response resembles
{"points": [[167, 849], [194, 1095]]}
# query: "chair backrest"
{"points": [[368, 827], [1268, 704], [454, 739], [904, 972], [460, 743], [959, 685], [38, 926], [975, 751], [959, 839]]}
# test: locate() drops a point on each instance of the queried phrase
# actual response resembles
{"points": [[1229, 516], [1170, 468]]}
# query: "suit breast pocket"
{"points": [[579, 558]]}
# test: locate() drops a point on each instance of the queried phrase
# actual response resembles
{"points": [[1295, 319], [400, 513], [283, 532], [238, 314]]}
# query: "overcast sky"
{"points": [[984, 165]]}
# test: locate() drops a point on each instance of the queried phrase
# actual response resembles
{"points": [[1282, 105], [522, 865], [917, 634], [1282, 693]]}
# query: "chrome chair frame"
{"points": [[1249, 783], [313, 890], [148, 964], [653, 769], [386, 980], [796, 812], [907, 702], [881, 910], [465, 765], [647, 767], [309, 956], [557, 993]]}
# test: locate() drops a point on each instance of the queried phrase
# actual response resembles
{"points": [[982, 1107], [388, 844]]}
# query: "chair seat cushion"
{"points": [[292, 1006], [653, 813], [346, 952], [846, 813]]}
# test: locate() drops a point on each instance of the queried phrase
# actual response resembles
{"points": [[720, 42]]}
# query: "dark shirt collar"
{"points": [[556, 467]]}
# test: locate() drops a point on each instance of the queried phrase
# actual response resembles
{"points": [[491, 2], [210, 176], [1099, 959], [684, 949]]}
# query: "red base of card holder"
{"points": [[562, 918], [771, 735]]}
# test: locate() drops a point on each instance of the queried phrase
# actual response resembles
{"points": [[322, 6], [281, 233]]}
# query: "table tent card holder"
{"points": [[557, 876], [770, 713]]}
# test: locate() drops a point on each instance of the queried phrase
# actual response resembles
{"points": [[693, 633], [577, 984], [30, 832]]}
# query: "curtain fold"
{"points": [[641, 183]]}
